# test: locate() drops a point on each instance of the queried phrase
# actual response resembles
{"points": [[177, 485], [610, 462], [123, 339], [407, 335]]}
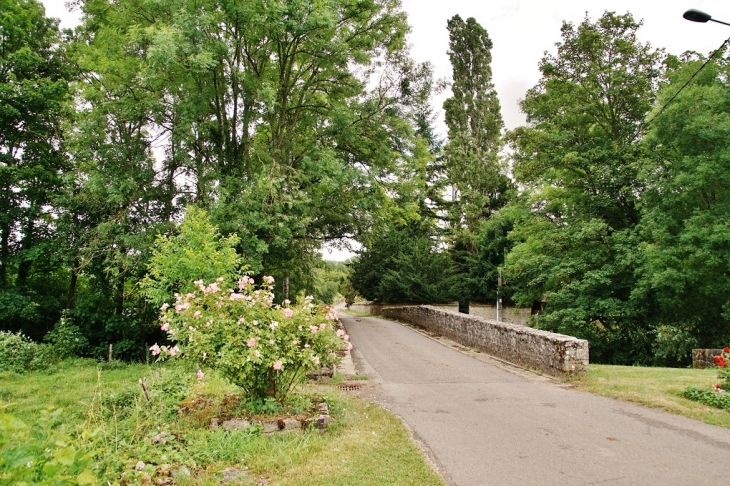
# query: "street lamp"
{"points": [[697, 16]]}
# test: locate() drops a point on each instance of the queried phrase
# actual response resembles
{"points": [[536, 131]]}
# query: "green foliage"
{"points": [[708, 397], [262, 348], [404, 265], [328, 281], [19, 354], [67, 340], [575, 246], [684, 226], [34, 101], [474, 121], [198, 251], [43, 456], [347, 290]]}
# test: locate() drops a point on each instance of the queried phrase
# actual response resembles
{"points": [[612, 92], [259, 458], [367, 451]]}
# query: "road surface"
{"points": [[483, 423]]}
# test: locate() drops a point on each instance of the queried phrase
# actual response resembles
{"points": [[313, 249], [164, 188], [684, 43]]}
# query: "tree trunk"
{"points": [[26, 244], [120, 296], [71, 296], [4, 253]]}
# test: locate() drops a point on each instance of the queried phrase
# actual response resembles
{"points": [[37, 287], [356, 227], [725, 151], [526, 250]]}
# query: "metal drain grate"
{"points": [[349, 387]]}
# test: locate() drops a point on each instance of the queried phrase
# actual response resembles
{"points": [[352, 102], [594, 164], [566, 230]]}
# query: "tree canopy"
{"points": [[165, 141]]}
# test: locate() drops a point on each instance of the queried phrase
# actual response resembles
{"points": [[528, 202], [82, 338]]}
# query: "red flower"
{"points": [[727, 350], [720, 361]]}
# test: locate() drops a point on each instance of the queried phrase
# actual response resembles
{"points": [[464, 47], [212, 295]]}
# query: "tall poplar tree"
{"points": [[474, 126], [471, 160]]}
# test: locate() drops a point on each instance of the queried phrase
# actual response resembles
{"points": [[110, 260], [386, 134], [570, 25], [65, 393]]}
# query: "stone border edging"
{"points": [[268, 427]]}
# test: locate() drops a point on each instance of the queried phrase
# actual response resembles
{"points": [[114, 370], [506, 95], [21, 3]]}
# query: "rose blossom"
{"points": [[278, 365]]}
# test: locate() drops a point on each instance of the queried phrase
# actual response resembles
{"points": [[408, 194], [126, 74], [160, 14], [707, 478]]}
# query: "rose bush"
{"points": [[723, 370], [263, 348]]}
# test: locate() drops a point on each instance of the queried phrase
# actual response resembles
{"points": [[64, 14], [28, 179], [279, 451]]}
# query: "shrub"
{"points": [[263, 348], [19, 354], [198, 251], [718, 396], [708, 397], [723, 369], [66, 339], [41, 455]]}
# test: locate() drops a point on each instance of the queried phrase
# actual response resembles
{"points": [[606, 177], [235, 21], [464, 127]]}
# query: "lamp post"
{"points": [[697, 16]]}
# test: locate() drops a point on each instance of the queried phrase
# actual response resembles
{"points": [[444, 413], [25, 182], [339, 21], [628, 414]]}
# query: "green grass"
{"points": [[364, 446], [656, 388]]}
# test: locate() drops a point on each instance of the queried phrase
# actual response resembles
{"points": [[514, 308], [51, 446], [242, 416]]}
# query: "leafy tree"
{"points": [[473, 118], [404, 265], [267, 113], [34, 103], [684, 227], [471, 161], [347, 289], [578, 159], [584, 118], [197, 252]]}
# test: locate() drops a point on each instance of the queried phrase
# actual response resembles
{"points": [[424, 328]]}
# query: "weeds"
{"points": [[103, 414]]}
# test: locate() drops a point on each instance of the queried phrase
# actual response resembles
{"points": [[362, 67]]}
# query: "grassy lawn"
{"points": [[655, 388], [364, 446]]}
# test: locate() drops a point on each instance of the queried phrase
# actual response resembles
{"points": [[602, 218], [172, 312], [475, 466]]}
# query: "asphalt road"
{"points": [[485, 423]]}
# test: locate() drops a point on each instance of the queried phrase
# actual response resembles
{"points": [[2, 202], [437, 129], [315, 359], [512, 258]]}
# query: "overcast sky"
{"points": [[522, 30]]}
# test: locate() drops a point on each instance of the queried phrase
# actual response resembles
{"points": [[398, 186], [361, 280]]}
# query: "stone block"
{"points": [[704, 358], [234, 424]]}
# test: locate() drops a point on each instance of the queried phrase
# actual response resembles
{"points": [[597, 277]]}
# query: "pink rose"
{"points": [[278, 365]]}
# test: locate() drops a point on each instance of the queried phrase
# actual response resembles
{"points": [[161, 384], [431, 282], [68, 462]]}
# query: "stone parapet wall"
{"points": [[513, 315], [367, 307], [453, 306], [376, 308], [553, 354]]}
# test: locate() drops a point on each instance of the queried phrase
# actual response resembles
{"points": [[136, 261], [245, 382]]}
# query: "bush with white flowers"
{"points": [[263, 348]]}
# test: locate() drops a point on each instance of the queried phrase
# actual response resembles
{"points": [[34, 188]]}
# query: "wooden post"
{"points": [[110, 352], [143, 384]]}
